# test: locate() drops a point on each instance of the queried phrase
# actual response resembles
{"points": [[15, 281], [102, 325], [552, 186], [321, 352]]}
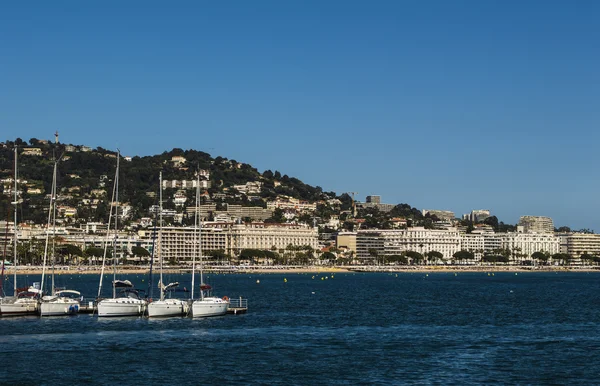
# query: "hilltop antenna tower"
{"points": [[56, 137]]}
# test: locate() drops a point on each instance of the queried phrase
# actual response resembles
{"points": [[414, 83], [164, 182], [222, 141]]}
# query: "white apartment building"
{"points": [[526, 244], [180, 243], [250, 187], [577, 244], [291, 203], [393, 242], [186, 184], [536, 224]]}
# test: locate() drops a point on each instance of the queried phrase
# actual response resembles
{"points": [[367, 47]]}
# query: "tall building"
{"points": [[393, 242], [375, 202], [374, 199], [536, 224], [477, 215], [577, 244], [180, 243]]}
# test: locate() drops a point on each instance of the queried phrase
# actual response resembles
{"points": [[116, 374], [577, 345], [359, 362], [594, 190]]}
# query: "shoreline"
{"points": [[312, 269]]}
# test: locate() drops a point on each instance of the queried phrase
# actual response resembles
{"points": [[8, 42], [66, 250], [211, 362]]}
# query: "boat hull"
{"points": [[169, 307], [121, 307], [59, 307], [209, 307], [20, 307]]}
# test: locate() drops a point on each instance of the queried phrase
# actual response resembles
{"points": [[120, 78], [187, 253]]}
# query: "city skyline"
{"points": [[444, 106]]}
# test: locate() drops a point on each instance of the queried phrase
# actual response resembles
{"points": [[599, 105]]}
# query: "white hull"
{"points": [[59, 306], [168, 307], [19, 307], [121, 307], [209, 307]]}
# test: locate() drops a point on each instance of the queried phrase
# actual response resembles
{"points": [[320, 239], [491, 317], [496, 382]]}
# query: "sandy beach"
{"points": [[314, 269]]}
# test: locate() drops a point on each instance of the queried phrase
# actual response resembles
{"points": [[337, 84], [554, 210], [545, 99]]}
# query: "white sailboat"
{"points": [[165, 307], [207, 305], [24, 302], [65, 302], [128, 302]]}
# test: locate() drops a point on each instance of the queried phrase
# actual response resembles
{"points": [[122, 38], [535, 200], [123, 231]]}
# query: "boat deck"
{"points": [[236, 307]]}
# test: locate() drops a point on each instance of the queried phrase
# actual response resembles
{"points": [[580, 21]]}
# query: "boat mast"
{"points": [[15, 259], [51, 212], [196, 216], [53, 208], [200, 256], [150, 287], [110, 215], [4, 254], [116, 226], [160, 208]]}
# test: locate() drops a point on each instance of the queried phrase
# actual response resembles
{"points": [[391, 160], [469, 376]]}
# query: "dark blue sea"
{"points": [[363, 328]]}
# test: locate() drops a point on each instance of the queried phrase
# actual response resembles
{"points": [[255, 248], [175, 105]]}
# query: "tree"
{"points": [[402, 260], [587, 257], [139, 251], [277, 216], [492, 221], [540, 256], [415, 256], [463, 255], [69, 250], [434, 256], [97, 253], [563, 258], [328, 257]]}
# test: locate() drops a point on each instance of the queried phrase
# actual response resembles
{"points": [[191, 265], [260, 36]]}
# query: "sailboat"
{"points": [[207, 305], [129, 302], [165, 307], [65, 302], [24, 301]]}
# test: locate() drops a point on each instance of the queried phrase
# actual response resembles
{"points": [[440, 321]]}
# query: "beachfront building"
{"points": [[388, 242], [523, 245], [536, 224], [346, 241], [577, 244], [179, 244]]}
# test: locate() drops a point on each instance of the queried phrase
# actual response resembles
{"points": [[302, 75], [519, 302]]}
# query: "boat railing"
{"points": [[238, 303]]}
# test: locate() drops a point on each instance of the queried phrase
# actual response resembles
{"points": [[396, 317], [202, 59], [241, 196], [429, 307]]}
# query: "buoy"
{"points": [[284, 280], [257, 281], [396, 275], [427, 275], [313, 292], [516, 273], [322, 278], [313, 277], [488, 274], [455, 274]]}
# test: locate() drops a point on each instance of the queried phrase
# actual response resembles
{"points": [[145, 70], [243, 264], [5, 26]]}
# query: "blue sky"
{"points": [[453, 105]]}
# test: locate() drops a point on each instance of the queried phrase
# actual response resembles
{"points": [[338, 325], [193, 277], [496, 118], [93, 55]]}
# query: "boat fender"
{"points": [[225, 298]]}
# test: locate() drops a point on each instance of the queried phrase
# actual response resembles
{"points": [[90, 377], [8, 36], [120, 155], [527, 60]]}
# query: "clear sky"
{"points": [[454, 105]]}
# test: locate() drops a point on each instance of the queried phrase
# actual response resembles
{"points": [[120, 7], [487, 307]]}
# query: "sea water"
{"points": [[344, 328]]}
